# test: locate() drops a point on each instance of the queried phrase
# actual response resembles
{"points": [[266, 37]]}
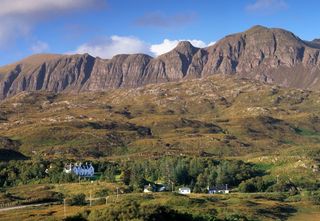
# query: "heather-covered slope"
{"points": [[218, 116]]}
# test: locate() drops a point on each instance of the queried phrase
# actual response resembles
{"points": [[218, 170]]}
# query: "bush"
{"points": [[78, 217], [284, 186], [134, 211], [247, 187], [236, 217], [315, 198], [102, 193], [257, 184], [77, 200]]}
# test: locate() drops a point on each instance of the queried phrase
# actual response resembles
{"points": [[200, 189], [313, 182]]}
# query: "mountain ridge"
{"points": [[270, 55]]}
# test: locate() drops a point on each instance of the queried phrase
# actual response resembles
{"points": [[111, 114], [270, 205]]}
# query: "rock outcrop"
{"points": [[269, 55]]}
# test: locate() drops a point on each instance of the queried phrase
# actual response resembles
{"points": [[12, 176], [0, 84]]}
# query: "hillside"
{"points": [[266, 54], [215, 116]]}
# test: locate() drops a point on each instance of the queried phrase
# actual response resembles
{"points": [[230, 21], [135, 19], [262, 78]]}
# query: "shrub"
{"points": [[134, 211], [257, 184], [315, 198], [77, 200]]}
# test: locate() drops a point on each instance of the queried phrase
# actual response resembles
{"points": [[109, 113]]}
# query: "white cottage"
{"points": [[83, 170], [184, 190]]}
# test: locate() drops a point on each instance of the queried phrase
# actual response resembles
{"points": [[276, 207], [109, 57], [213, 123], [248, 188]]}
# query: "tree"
{"points": [[78, 200], [181, 173]]}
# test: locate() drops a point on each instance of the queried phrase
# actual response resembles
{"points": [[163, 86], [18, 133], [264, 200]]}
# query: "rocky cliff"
{"points": [[269, 55]]}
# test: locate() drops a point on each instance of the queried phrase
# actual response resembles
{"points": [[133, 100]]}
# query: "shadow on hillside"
{"points": [[281, 212]]}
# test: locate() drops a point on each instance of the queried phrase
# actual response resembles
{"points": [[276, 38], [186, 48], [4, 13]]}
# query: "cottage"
{"points": [[154, 188], [162, 189], [184, 190], [85, 170], [222, 189], [148, 189]]}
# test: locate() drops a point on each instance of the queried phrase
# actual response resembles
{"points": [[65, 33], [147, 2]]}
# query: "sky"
{"points": [[105, 28]]}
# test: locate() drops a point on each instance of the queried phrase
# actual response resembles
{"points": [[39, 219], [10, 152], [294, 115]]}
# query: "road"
{"points": [[24, 206]]}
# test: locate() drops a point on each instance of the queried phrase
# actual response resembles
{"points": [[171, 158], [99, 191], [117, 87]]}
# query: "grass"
{"points": [[257, 206]]}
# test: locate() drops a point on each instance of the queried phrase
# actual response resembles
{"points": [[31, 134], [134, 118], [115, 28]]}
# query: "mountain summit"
{"points": [[270, 55]]}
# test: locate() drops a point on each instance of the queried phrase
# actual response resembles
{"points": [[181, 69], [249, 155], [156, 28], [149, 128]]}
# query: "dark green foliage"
{"points": [[315, 197], [110, 172], [196, 173], [257, 184], [77, 200], [78, 217], [236, 217], [284, 186], [33, 171], [102, 193], [134, 211], [233, 172]]}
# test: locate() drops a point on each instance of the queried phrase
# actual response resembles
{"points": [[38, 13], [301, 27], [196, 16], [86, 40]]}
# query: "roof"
{"points": [[184, 188], [218, 187]]}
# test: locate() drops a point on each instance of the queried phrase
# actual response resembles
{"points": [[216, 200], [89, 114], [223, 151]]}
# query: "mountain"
{"points": [[267, 54]]}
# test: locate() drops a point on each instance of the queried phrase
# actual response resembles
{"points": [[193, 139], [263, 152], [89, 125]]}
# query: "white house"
{"points": [[148, 189], [83, 170], [184, 190], [218, 189]]}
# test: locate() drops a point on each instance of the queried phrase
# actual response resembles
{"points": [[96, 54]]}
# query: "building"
{"points": [[184, 190], [222, 189], [149, 188], [154, 188], [82, 170]]}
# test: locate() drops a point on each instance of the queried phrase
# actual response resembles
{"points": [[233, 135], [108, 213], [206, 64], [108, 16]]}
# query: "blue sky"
{"points": [[107, 27]]}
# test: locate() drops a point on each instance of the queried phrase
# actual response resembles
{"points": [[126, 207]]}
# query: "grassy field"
{"points": [[257, 206]]}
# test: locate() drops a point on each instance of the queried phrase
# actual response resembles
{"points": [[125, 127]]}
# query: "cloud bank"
{"points": [[267, 6], [39, 47], [109, 46], [30, 7], [167, 45], [159, 19], [18, 17]]}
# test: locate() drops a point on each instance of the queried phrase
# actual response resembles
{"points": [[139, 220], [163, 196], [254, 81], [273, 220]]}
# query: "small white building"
{"points": [[184, 190], [222, 189], [148, 189]]}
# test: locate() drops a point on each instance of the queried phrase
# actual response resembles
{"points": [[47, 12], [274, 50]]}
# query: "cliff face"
{"points": [[269, 55]]}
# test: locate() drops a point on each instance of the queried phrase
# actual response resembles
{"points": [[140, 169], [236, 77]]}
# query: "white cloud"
{"points": [[110, 46], [18, 17], [39, 47], [29, 7], [267, 6], [167, 45]]}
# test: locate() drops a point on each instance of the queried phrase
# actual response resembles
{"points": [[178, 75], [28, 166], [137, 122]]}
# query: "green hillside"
{"points": [[216, 116]]}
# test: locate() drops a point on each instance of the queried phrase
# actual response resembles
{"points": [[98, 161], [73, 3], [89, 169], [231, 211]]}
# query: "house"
{"points": [[222, 189], [148, 188], [82, 170], [162, 189], [184, 190], [154, 188]]}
